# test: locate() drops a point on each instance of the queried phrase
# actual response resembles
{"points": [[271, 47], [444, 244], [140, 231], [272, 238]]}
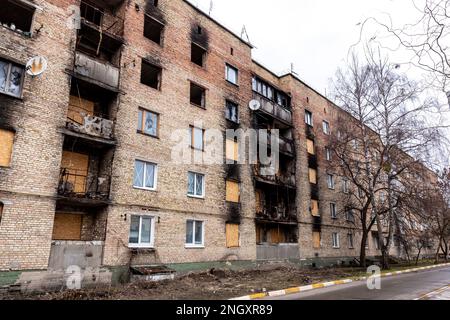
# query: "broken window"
{"points": [[232, 192], [91, 13], [16, 15], [197, 136], [196, 185], [151, 75], [309, 118], [231, 74], [148, 122], [198, 95], [153, 29], [194, 233], [232, 235], [232, 111], [198, 54], [11, 78], [145, 175], [141, 232], [335, 238], [271, 93], [6, 143]]}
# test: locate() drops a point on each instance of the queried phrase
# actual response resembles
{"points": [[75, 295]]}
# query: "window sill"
{"points": [[12, 96], [143, 247], [232, 83], [233, 122], [198, 106], [196, 197], [148, 134], [187, 246], [26, 34], [145, 189], [336, 247]]}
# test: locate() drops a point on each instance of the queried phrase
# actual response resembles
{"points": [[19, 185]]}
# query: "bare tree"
{"points": [[375, 148]]}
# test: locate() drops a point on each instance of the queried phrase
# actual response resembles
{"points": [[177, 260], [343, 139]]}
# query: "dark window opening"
{"points": [[151, 75], [198, 55], [155, 3], [16, 15], [197, 95], [91, 14], [232, 112], [199, 30], [232, 51], [153, 29], [1, 212]]}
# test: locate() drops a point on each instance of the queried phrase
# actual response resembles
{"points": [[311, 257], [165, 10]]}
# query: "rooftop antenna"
{"points": [[244, 32], [211, 5]]}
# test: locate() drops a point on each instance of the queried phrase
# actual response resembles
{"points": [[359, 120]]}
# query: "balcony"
{"points": [[83, 188], [81, 122], [103, 74], [285, 179], [274, 110], [286, 146], [279, 214], [102, 20]]}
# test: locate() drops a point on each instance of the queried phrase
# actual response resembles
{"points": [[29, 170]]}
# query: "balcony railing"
{"points": [[285, 145], [96, 70], [278, 213], [274, 109], [104, 22], [78, 120], [78, 184], [279, 179]]}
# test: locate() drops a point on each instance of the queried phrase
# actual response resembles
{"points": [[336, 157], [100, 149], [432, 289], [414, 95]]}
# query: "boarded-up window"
{"points": [[310, 146], [76, 165], [316, 240], [232, 191], [315, 208], [79, 108], [232, 150], [6, 145], [67, 227], [313, 176], [232, 233]]}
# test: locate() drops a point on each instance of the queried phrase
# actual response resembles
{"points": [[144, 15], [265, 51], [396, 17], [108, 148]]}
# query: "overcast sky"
{"points": [[314, 35]]}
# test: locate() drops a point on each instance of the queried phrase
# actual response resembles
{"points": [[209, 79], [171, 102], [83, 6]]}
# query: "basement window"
{"points": [[198, 95], [11, 78], [151, 75], [16, 15], [153, 29], [6, 143], [198, 54]]}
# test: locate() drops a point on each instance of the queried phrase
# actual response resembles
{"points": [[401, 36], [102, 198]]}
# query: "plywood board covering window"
{"points": [[232, 235], [232, 150], [316, 240], [315, 208], [78, 107], [67, 227], [313, 176], [77, 165], [232, 191], [6, 146], [310, 146]]}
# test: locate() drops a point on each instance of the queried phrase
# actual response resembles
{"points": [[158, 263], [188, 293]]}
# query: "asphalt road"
{"points": [[425, 285]]}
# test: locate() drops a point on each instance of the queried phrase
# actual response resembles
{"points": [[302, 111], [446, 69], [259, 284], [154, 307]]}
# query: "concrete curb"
{"points": [[279, 293]]}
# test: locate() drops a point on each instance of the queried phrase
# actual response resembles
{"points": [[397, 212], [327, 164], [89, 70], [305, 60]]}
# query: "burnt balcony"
{"points": [[274, 110], [80, 121], [102, 20], [96, 71], [285, 145], [279, 214], [83, 188], [285, 179]]}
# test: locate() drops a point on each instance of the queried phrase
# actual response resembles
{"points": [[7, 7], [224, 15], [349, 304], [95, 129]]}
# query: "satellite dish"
{"points": [[36, 66], [254, 105]]}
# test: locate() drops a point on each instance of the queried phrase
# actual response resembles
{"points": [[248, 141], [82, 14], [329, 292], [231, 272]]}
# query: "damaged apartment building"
{"points": [[86, 171]]}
